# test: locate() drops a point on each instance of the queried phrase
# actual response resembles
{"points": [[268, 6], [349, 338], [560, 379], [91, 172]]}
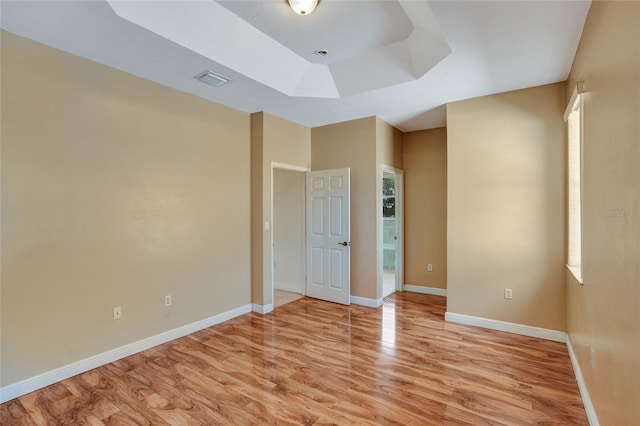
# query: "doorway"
{"points": [[391, 231], [296, 194], [288, 245]]}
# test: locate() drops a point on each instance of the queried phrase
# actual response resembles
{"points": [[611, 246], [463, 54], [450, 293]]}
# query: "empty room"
{"points": [[320, 212]]}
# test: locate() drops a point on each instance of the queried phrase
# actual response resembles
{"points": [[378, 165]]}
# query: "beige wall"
{"points": [[388, 146], [115, 192], [425, 207], [257, 219], [273, 140], [289, 230], [604, 314], [353, 144], [506, 206], [1, 214]]}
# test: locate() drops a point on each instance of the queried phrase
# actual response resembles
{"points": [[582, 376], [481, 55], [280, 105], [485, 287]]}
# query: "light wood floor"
{"points": [[318, 363], [281, 297]]}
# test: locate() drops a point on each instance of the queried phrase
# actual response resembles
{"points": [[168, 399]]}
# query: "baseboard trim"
{"points": [[509, 327], [584, 392], [15, 390], [363, 301], [262, 309], [425, 290]]}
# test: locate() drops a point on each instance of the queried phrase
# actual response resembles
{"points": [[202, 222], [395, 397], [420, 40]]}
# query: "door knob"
{"points": [[344, 243]]}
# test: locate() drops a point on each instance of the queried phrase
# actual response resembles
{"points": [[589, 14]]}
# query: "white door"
{"points": [[328, 235]]}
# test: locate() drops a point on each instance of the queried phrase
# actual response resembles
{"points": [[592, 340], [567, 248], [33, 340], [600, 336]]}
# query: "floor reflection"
{"points": [[388, 326]]}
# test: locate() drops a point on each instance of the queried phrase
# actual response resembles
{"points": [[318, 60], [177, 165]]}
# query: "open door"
{"points": [[329, 235]]}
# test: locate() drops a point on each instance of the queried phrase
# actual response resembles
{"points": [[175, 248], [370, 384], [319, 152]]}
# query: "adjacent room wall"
{"points": [[116, 191], [273, 140], [289, 230], [425, 207], [506, 206], [353, 144], [604, 314]]}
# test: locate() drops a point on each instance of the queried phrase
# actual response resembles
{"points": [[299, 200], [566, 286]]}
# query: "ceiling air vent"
{"points": [[212, 78]]}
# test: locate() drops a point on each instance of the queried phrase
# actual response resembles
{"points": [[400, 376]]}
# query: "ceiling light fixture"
{"points": [[303, 7]]}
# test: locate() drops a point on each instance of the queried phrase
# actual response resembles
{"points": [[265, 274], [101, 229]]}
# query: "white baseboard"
{"points": [[584, 392], [425, 290], [363, 301], [31, 384], [509, 327], [262, 309]]}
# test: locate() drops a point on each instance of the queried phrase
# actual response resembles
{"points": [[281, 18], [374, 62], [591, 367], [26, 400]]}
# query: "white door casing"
{"points": [[329, 235], [399, 242]]}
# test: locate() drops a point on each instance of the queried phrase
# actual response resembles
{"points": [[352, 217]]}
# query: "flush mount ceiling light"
{"points": [[303, 7], [209, 77]]}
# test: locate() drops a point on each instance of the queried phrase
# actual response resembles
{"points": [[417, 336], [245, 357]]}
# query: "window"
{"points": [[573, 117]]}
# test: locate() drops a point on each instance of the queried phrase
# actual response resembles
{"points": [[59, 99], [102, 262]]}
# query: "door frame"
{"points": [[292, 168], [399, 271]]}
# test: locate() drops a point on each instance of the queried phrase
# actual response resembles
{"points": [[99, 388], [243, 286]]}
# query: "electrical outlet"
{"points": [[430, 267], [167, 300], [593, 358], [508, 293], [117, 312]]}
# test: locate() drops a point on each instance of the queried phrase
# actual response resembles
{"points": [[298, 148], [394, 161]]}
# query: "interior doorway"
{"points": [[391, 230], [288, 244]]}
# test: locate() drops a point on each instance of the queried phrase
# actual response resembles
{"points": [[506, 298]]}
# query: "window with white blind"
{"points": [[573, 117]]}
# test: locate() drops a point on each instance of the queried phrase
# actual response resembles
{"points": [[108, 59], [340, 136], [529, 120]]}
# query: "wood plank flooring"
{"points": [[317, 363]]}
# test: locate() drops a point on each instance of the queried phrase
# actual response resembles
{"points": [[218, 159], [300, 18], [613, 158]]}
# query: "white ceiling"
{"points": [[402, 61]]}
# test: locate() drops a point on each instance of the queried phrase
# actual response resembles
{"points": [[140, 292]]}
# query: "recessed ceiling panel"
{"points": [[343, 28]]}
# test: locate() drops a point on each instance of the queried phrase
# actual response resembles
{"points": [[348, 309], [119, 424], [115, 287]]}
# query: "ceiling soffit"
{"points": [[274, 58]]}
